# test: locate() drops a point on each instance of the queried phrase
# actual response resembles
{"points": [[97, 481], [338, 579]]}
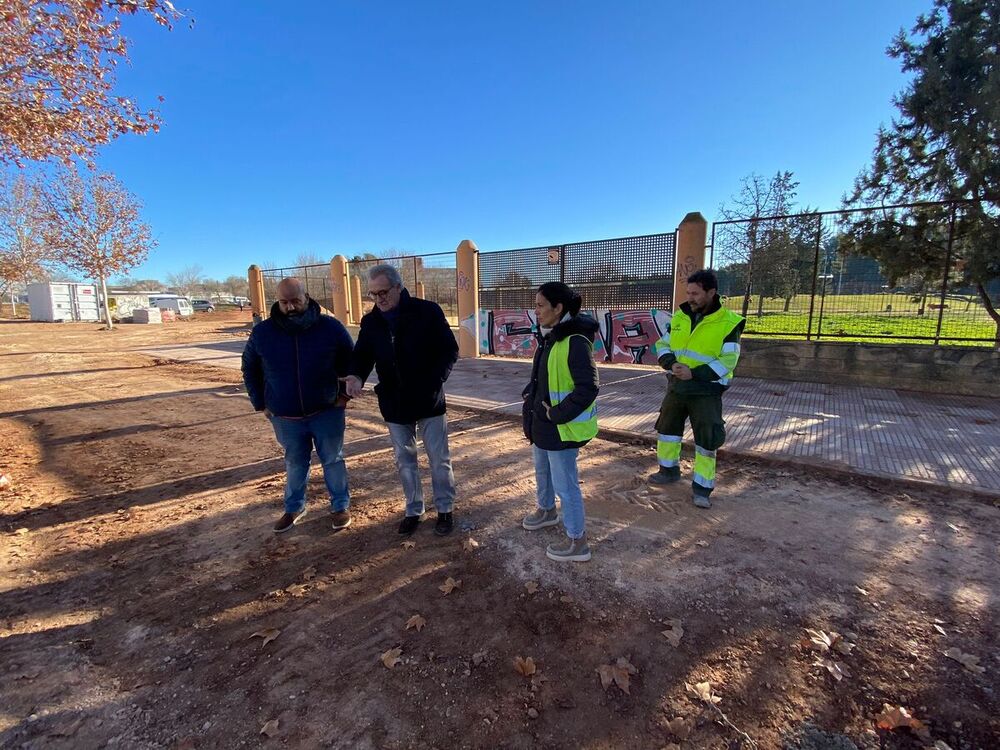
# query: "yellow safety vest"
{"points": [[705, 345], [561, 384]]}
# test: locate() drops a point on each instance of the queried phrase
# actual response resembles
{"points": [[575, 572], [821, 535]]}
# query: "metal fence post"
{"points": [[812, 294], [944, 280], [749, 286], [562, 263]]}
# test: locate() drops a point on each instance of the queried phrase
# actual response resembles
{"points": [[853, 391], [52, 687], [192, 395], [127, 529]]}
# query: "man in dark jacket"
{"points": [[410, 344], [291, 367]]}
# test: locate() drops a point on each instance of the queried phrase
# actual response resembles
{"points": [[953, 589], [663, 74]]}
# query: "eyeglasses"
{"points": [[381, 294]]}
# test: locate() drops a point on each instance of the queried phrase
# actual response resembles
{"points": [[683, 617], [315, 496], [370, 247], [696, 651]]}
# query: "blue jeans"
{"points": [[434, 433], [297, 437], [555, 474]]}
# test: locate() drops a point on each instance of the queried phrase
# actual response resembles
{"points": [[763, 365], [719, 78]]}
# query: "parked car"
{"points": [[202, 305]]}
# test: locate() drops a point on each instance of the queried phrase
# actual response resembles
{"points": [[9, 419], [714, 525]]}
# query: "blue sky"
{"points": [[345, 127]]}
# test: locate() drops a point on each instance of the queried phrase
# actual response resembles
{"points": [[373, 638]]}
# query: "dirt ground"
{"points": [[138, 562]]}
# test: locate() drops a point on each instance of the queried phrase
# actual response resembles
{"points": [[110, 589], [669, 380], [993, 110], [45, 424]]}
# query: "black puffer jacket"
{"points": [[412, 364], [539, 428]]}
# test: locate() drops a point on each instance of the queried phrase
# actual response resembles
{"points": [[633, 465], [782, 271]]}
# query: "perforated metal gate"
{"points": [[624, 273]]}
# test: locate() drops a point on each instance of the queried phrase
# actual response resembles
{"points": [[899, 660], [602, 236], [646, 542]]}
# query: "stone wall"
{"points": [[969, 371]]}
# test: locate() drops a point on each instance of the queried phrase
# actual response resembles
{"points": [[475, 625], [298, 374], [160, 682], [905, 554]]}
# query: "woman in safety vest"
{"points": [[560, 415]]}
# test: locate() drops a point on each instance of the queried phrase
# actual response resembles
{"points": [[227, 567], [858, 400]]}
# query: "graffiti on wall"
{"points": [[626, 337]]}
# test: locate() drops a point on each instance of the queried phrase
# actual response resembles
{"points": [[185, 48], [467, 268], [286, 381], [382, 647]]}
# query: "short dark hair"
{"points": [[705, 278], [558, 293]]}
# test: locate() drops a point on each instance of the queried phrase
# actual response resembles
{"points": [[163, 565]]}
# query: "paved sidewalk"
{"points": [[945, 440]]}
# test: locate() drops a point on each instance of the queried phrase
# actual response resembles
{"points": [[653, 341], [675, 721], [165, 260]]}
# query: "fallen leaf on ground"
{"points": [[819, 640], [450, 585], [701, 543], [268, 634], [391, 657], [469, 544], [835, 668], [408, 544], [4, 481], [309, 573], [618, 673], [524, 666], [968, 661], [417, 622], [566, 599], [297, 589], [939, 629], [953, 527], [897, 717], [21, 531], [270, 728], [531, 586], [680, 727], [674, 634], [703, 691], [863, 592], [478, 658]]}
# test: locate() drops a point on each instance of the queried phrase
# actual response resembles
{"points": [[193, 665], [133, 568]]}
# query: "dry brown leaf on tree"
{"points": [[680, 727], [703, 691], [450, 585], [531, 586], [270, 728], [268, 634], [391, 657], [674, 634], [408, 544], [897, 717], [968, 661], [417, 622], [524, 666], [618, 673], [835, 668], [469, 544]]}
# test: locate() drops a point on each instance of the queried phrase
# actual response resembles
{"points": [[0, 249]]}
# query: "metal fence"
{"points": [[431, 276], [316, 279], [625, 273], [813, 275]]}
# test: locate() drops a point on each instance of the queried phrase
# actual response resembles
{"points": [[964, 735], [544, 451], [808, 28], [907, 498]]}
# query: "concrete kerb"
{"points": [[885, 483]]}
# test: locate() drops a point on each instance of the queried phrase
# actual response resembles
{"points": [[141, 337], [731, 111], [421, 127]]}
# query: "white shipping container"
{"points": [[53, 302]]}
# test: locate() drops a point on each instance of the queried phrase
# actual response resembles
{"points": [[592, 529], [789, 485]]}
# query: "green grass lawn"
{"points": [[855, 316]]}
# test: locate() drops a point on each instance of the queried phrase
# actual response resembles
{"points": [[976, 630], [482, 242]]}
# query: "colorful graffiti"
{"points": [[626, 337], [630, 335]]}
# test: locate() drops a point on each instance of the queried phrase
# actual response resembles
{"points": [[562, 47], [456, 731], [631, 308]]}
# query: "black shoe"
{"points": [[665, 476], [444, 524], [288, 520], [409, 524]]}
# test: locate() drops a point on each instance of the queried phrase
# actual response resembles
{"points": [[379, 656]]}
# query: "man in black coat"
{"points": [[410, 344], [292, 363]]}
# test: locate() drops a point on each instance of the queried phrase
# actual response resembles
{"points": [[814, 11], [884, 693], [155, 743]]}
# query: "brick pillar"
{"points": [[467, 279]]}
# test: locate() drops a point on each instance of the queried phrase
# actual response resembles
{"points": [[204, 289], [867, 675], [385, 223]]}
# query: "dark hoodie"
{"points": [[291, 363], [539, 428]]}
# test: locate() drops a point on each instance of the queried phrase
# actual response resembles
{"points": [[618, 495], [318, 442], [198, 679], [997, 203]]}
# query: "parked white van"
{"points": [[178, 304]]}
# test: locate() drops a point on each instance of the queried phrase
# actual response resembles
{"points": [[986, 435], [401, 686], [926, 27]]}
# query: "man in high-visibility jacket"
{"points": [[700, 353]]}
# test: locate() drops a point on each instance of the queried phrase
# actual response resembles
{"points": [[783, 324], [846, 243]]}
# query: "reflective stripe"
{"points": [[558, 396], [669, 463], [730, 348], [703, 482], [691, 354], [702, 452], [669, 438], [724, 381], [661, 347], [587, 415], [720, 369]]}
